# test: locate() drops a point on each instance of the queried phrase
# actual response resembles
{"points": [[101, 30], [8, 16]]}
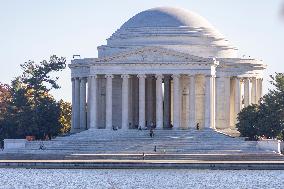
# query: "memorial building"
{"points": [[167, 67]]}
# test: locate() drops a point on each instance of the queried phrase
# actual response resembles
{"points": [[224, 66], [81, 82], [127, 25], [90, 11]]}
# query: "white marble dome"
{"points": [[169, 17], [171, 28]]}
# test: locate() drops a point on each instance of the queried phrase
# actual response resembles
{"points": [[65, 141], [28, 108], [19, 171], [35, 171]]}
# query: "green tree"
{"points": [[247, 122], [38, 81], [266, 119], [31, 110], [271, 109]]}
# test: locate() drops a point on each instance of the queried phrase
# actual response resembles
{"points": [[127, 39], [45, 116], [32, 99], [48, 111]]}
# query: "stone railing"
{"points": [[271, 145], [14, 144]]}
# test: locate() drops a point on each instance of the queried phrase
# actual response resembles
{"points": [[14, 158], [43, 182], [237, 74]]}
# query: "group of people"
{"points": [[151, 128]]}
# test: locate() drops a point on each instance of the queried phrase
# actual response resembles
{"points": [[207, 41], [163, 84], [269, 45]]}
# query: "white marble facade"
{"points": [[164, 66]]}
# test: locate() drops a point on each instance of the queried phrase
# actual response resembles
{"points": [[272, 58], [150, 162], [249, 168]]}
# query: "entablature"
{"points": [[147, 55]]}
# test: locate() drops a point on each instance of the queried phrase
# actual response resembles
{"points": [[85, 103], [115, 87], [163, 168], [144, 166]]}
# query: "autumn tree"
{"points": [[28, 107], [65, 116]]}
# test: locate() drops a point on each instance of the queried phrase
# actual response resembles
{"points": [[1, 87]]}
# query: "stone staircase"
{"points": [[204, 145], [134, 141]]}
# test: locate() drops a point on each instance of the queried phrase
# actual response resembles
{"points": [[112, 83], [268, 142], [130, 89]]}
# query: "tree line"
{"points": [[265, 120], [27, 108]]}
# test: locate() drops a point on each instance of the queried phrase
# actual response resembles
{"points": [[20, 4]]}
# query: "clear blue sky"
{"points": [[34, 29]]}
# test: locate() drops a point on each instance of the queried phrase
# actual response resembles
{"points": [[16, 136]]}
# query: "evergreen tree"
{"points": [[30, 109], [247, 124], [266, 119]]}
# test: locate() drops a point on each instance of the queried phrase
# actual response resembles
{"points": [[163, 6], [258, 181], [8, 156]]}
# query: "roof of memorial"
{"points": [[170, 17], [172, 28]]}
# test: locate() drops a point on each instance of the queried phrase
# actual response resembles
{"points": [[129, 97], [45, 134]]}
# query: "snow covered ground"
{"points": [[141, 178]]}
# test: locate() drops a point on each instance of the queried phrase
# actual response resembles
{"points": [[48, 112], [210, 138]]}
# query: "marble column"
{"points": [[125, 91], [192, 120], [141, 100], [238, 98], [253, 90], [109, 78], [149, 100], [259, 89], [92, 102], [214, 102], [73, 106], [176, 86], [167, 101], [89, 103], [77, 105], [208, 101], [159, 102], [247, 92], [227, 101], [83, 123]]}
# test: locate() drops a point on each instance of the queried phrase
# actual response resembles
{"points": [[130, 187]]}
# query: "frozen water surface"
{"points": [[140, 178]]}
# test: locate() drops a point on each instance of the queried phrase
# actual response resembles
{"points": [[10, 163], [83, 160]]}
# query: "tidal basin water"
{"points": [[141, 178]]}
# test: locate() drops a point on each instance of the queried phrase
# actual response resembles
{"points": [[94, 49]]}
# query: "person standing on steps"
{"points": [[197, 126], [152, 125], [171, 125], [143, 156], [151, 133]]}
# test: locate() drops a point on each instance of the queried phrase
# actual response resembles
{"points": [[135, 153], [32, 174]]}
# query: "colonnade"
{"points": [[244, 91]]}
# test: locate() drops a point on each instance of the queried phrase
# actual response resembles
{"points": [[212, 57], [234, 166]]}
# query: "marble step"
{"points": [[171, 141]]}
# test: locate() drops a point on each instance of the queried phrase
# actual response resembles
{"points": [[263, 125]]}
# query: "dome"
{"points": [[172, 28], [168, 17]]}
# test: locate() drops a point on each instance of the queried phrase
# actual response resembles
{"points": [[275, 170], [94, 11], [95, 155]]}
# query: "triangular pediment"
{"points": [[152, 55]]}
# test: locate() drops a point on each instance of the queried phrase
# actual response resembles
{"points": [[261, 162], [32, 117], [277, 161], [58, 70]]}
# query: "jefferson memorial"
{"points": [[167, 67]]}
